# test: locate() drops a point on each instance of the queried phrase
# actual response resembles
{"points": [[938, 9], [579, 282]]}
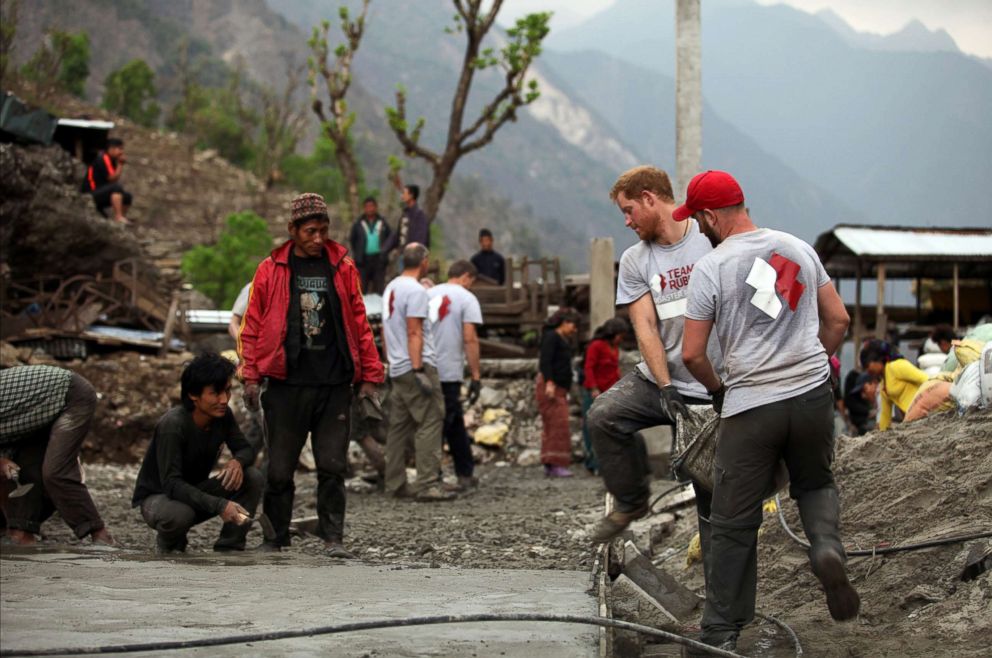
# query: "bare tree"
{"points": [[283, 123], [522, 47], [335, 118]]}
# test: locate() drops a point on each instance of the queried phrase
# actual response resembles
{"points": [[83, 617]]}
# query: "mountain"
{"points": [[913, 37], [902, 137], [640, 104]]}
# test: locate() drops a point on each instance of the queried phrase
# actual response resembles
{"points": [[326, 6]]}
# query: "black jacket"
{"points": [[556, 359], [359, 236], [490, 264]]}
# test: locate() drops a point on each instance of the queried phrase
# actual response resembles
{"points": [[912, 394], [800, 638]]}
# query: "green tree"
{"points": [[220, 270], [62, 63], [8, 30], [130, 91]]}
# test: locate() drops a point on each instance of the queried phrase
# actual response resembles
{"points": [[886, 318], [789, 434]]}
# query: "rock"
{"points": [[661, 587], [491, 397], [529, 457], [507, 368], [491, 435], [631, 603], [494, 415], [9, 355]]}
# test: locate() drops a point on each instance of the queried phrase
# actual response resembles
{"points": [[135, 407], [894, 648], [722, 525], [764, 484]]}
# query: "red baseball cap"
{"points": [[708, 191]]}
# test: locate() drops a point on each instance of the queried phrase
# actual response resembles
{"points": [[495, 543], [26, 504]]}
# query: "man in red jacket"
{"points": [[305, 335]]}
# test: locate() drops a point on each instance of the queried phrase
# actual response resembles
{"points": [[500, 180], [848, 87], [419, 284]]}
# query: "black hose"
{"points": [[882, 550], [681, 485], [370, 625]]}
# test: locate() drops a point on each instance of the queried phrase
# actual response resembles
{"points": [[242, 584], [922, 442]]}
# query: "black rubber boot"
{"points": [[820, 512]]}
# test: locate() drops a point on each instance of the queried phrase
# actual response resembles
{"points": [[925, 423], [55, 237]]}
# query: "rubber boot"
{"points": [[820, 512]]}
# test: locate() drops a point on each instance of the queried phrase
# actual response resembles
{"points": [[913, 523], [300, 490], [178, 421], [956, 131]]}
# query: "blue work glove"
{"points": [[717, 396], [474, 390]]}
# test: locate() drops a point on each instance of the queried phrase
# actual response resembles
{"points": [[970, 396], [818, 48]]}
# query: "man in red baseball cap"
{"points": [[777, 318]]}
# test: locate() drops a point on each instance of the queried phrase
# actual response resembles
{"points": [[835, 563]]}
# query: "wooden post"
{"points": [[919, 297], [170, 324], [857, 318], [880, 327], [957, 300], [601, 290]]}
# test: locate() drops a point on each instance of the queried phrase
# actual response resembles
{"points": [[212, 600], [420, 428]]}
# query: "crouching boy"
{"points": [[174, 489]]}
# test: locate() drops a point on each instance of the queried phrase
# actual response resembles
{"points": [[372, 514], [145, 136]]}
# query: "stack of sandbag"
{"points": [[959, 387]]}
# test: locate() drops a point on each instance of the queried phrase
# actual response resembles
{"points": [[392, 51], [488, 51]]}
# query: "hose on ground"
{"points": [[371, 625], [788, 630], [680, 485], [882, 550]]}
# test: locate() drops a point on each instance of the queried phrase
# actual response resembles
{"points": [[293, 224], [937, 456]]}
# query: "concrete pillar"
{"points": [[857, 320], [688, 94], [602, 287]]}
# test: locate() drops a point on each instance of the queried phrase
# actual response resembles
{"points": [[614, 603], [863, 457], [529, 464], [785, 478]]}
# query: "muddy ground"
{"points": [[517, 518], [914, 483]]}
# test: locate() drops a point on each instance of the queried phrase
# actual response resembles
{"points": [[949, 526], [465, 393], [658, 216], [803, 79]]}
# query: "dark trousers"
{"points": [[50, 459], [454, 431], [172, 519], [372, 272], [101, 195], [750, 445], [292, 412], [615, 418]]}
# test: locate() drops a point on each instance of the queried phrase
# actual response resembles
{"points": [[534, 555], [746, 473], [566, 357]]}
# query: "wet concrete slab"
{"points": [[87, 598]]}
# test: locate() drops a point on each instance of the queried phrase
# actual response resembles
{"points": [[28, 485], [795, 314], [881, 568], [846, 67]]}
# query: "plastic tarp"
{"points": [[24, 123]]}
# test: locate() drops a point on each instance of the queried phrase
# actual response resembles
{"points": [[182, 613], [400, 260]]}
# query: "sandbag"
{"points": [[694, 445], [933, 397], [967, 391]]}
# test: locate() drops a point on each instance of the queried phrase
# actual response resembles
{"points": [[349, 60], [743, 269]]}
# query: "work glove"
{"points": [[672, 403], [474, 391], [423, 381], [717, 396], [251, 396]]}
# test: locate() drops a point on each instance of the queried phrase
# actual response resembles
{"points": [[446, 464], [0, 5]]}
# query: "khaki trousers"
{"points": [[416, 419]]}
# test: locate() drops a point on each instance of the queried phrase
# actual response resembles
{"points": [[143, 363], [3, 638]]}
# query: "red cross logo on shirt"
{"points": [[787, 282], [392, 302], [442, 312]]}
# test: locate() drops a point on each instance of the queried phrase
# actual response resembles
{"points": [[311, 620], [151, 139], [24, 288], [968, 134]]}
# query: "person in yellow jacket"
{"points": [[900, 379]]}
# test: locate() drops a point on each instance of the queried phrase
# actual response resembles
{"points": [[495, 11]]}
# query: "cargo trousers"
{"points": [[415, 418], [798, 430]]}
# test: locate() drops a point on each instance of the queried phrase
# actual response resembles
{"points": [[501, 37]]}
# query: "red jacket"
{"points": [[261, 341], [602, 368]]}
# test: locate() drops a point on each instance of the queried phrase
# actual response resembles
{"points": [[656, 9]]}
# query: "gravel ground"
{"points": [[516, 519]]}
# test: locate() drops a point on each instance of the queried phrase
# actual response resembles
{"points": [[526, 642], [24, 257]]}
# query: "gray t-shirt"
{"points": [[404, 298], [760, 290], [450, 307], [241, 303], [664, 271]]}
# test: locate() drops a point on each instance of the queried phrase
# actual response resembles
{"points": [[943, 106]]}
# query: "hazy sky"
{"points": [[969, 22]]}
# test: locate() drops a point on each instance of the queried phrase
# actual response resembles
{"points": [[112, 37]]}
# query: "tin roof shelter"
{"points": [[899, 252]]}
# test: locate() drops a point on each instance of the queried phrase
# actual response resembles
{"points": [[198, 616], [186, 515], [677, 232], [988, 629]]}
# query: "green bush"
{"points": [[220, 270], [130, 91]]}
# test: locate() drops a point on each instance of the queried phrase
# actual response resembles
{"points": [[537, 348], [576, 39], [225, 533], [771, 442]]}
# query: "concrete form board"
{"points": [[71, 600]]}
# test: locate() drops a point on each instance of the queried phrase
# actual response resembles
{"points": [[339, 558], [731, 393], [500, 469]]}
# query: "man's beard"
{"points": [[710, 234]]}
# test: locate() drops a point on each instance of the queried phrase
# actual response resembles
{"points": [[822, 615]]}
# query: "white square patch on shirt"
{"points": [[762, 278]]}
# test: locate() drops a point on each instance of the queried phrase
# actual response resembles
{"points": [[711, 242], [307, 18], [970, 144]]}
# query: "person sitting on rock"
{"points": [[103, 181], [174, 488], [45, 414]]}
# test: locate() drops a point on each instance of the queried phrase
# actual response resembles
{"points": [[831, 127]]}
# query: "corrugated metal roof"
{"points": [[866, 241], [87, 123]]}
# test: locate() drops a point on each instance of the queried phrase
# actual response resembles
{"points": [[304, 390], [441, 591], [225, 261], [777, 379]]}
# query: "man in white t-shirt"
{"points": [[415, 404], [778, 318], [652, 282], [454, 313]]}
